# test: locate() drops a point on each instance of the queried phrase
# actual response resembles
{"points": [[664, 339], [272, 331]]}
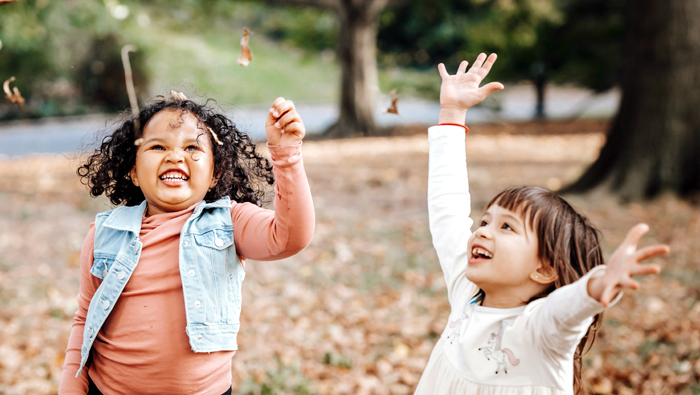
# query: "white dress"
{"points": [[527, 350]]}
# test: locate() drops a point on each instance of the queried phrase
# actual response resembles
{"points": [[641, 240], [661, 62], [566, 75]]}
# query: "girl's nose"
{"points": [[175, 156], [483, 232]]}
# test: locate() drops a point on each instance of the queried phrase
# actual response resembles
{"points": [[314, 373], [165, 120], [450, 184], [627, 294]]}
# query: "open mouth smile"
{"points": [[174, 176], [479, 252]]}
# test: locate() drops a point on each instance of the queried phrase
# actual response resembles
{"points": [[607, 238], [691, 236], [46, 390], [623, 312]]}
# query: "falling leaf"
{"points": [[394, 100], [12, 95], [130, 87], [246, 56]]}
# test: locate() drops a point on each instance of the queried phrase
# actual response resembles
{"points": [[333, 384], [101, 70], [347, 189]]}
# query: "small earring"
{"points": [[536, 276]]}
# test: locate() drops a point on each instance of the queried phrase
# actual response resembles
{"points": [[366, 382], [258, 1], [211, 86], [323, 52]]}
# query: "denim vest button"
{"points": [[185, 243], [199, 337], [219, 242], [198, 303], [191, 272], [105, 304], [121, 275]]}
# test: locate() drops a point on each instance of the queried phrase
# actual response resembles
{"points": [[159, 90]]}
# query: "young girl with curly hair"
{"points": [[160, 285], [527, 288]]}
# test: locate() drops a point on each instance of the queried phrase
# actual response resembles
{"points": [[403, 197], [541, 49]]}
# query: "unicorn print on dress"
{"points": [[456, 325], [493, 349]]}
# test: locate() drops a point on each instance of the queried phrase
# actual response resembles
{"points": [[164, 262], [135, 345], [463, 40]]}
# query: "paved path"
{"points": [[73, 134]]}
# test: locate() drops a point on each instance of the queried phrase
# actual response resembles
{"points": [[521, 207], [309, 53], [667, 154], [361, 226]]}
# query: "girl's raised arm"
{"points": [[448, 186], [262, 234]]}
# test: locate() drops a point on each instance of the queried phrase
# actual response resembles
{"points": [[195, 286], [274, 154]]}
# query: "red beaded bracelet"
{"points": [[466, 129]]}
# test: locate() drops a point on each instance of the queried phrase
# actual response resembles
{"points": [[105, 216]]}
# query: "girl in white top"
{"points": [[527, 288]]}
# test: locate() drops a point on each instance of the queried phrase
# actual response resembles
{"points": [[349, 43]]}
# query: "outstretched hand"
{"points": [[625, 263], [461, 91], [283, 125]]}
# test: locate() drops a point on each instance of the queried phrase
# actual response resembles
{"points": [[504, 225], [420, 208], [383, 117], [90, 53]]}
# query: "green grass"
{"points": [[205, 65]]}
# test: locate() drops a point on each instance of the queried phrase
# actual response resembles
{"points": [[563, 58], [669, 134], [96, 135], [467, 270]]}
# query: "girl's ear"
{"points": [[214, 180], [132, 175], [544, 274]]}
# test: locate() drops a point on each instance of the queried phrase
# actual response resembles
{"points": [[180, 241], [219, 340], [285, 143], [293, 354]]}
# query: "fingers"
{"points": [[607, 296], [651, 251], [490, 87], [462, 67], [289, 116], [443, 71], [645, 270], [478, 63], [635, 234], [280, 111], [276, 104], [629, 283], [297, 128], [484, 71], [274, 112]]}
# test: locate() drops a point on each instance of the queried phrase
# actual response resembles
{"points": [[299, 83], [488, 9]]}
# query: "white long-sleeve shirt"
{"points": [[524, 350]]}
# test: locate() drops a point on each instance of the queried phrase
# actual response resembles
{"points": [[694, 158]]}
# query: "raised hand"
{"points": [[461, 91], [283, 125], [625, 263]]}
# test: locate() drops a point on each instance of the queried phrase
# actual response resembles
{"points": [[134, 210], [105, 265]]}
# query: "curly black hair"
{"points": [[243, 174]]}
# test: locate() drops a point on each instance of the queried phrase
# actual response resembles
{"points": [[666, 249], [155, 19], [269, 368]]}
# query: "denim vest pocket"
{"points": [[100, 266], [217, 243]]}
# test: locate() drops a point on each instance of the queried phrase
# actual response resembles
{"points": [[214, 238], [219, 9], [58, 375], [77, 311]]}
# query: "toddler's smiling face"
{"points": [[174, 163]]}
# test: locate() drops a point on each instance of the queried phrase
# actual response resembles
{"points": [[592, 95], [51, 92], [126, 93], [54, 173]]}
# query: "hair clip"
{"points": [[177, 96]]}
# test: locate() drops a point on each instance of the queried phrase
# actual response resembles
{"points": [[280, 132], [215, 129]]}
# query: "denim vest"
{"points": [[209, 268]]}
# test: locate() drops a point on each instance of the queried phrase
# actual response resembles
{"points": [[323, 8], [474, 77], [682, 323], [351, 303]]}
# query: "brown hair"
{"points": [[566, 240]]}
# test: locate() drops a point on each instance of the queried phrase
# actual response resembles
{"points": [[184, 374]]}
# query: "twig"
{"points": [[130, 87]]}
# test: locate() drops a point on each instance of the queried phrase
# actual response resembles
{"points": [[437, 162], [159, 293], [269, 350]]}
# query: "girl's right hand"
{"points": [[461, 91]]}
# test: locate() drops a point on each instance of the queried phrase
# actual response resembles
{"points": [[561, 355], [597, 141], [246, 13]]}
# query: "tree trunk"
{"points": [[539, 78], [654, 141], [357, 41]]}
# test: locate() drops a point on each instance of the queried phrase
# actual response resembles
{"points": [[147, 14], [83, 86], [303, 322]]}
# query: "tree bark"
{"points": [[654, 140], [357, 55]]}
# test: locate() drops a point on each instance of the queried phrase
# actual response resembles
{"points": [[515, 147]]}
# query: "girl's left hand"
{"points": [[625, 263], [283, 125]]}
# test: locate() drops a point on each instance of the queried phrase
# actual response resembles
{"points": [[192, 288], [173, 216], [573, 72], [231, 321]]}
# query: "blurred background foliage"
{"points": [[66, 58]]}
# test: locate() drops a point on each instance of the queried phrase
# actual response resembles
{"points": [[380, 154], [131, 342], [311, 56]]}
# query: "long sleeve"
{"points": [[70, 385], [560, 320], [262, 234], [449, 203]]}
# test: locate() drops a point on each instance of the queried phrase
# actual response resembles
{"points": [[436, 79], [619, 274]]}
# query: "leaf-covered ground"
{"points": [[358, 312]]}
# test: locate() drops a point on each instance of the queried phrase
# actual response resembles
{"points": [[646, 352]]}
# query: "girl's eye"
{"points": [[506, 226], [157, 147], [483, 223], [192, 148]]}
